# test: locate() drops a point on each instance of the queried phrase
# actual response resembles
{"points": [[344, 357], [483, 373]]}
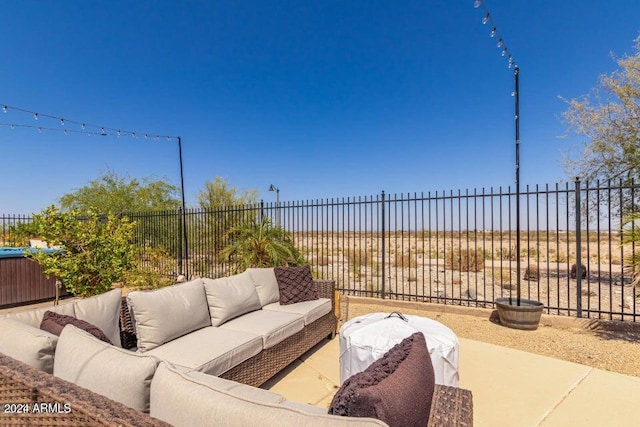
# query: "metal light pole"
{"points": [[184, 218], [277, 190], [516, 94], [504, 50]]}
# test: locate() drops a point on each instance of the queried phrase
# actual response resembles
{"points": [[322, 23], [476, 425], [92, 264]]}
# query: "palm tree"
{"points": [[260, 244], [631, 236]]}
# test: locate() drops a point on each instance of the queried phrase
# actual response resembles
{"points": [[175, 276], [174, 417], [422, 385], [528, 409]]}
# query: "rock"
{"points": [[531, 273], [574, 271]]}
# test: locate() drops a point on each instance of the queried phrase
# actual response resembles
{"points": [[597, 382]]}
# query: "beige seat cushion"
{"points": [[27, 343], [184, 400], [118, 374], [102, 311], [230, 297], [273, 326], [310, 310], [210, 350], [264, 279], [168, 313]]}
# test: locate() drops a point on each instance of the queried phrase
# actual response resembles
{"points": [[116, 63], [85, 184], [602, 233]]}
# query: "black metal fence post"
{"points": [[578, 250], [180, 237], [384, 253]]}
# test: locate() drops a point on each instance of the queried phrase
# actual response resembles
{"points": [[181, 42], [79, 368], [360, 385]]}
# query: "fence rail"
{"points": [[443, 247]]}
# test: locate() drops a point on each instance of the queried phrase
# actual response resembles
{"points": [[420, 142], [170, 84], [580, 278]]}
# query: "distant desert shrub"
{"points": [[404, 260], [560, 257], [323, 260], [465, 260], [357, 259], [508, 254], [502, 278]]}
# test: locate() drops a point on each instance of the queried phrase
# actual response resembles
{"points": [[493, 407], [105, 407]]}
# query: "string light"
{"points": [[488, 19], [86, 128]]}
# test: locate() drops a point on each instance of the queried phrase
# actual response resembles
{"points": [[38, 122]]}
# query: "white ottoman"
{"points": [[367, 338]]}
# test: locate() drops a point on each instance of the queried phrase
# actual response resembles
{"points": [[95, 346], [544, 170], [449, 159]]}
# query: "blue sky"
{"points": [[323, 99]]}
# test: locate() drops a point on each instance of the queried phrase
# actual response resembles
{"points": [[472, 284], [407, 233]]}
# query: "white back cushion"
{"points": [[118, 374], [102, 311], [167, 313], [230, 297], [264, 279]]}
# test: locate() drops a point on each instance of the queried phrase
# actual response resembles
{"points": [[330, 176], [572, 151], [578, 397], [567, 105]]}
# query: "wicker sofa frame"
{"points": [[23, 384]]}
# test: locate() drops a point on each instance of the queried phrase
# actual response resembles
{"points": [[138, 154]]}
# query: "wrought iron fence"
{"points": [[443, 247]]}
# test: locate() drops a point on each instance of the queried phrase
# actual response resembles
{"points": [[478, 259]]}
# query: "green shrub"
{"points": [[97, 251]]}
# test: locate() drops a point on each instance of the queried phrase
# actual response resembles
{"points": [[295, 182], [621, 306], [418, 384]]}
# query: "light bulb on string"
{"points": [[500, 43], [12, 126], [102, 132], [5, 109], [40, 129], [494, 31], [133, 134], [65, 131], [61, 122], [510, 61], [486, 18], [118, 134], [504, 52], [83, 126], [35, 116], [477, 3]]}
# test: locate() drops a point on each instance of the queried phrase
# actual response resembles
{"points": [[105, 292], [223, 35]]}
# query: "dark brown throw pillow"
{"points": [[54, 323], [295, 284], [397, 388]]}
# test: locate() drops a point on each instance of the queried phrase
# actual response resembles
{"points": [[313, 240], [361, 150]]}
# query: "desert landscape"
{"points": [[473, 268]]}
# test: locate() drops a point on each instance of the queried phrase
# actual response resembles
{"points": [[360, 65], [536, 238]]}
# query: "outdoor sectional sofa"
{"points": [[202, 347]]}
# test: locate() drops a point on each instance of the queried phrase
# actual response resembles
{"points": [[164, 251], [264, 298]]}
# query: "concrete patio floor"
{"points": [[510, 387]]}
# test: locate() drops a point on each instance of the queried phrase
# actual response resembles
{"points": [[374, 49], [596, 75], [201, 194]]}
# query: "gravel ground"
{"points": [[604, 345]]}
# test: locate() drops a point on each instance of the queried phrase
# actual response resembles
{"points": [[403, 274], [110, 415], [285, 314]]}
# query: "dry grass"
{"points": [[404, 260], [465, 260]]}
